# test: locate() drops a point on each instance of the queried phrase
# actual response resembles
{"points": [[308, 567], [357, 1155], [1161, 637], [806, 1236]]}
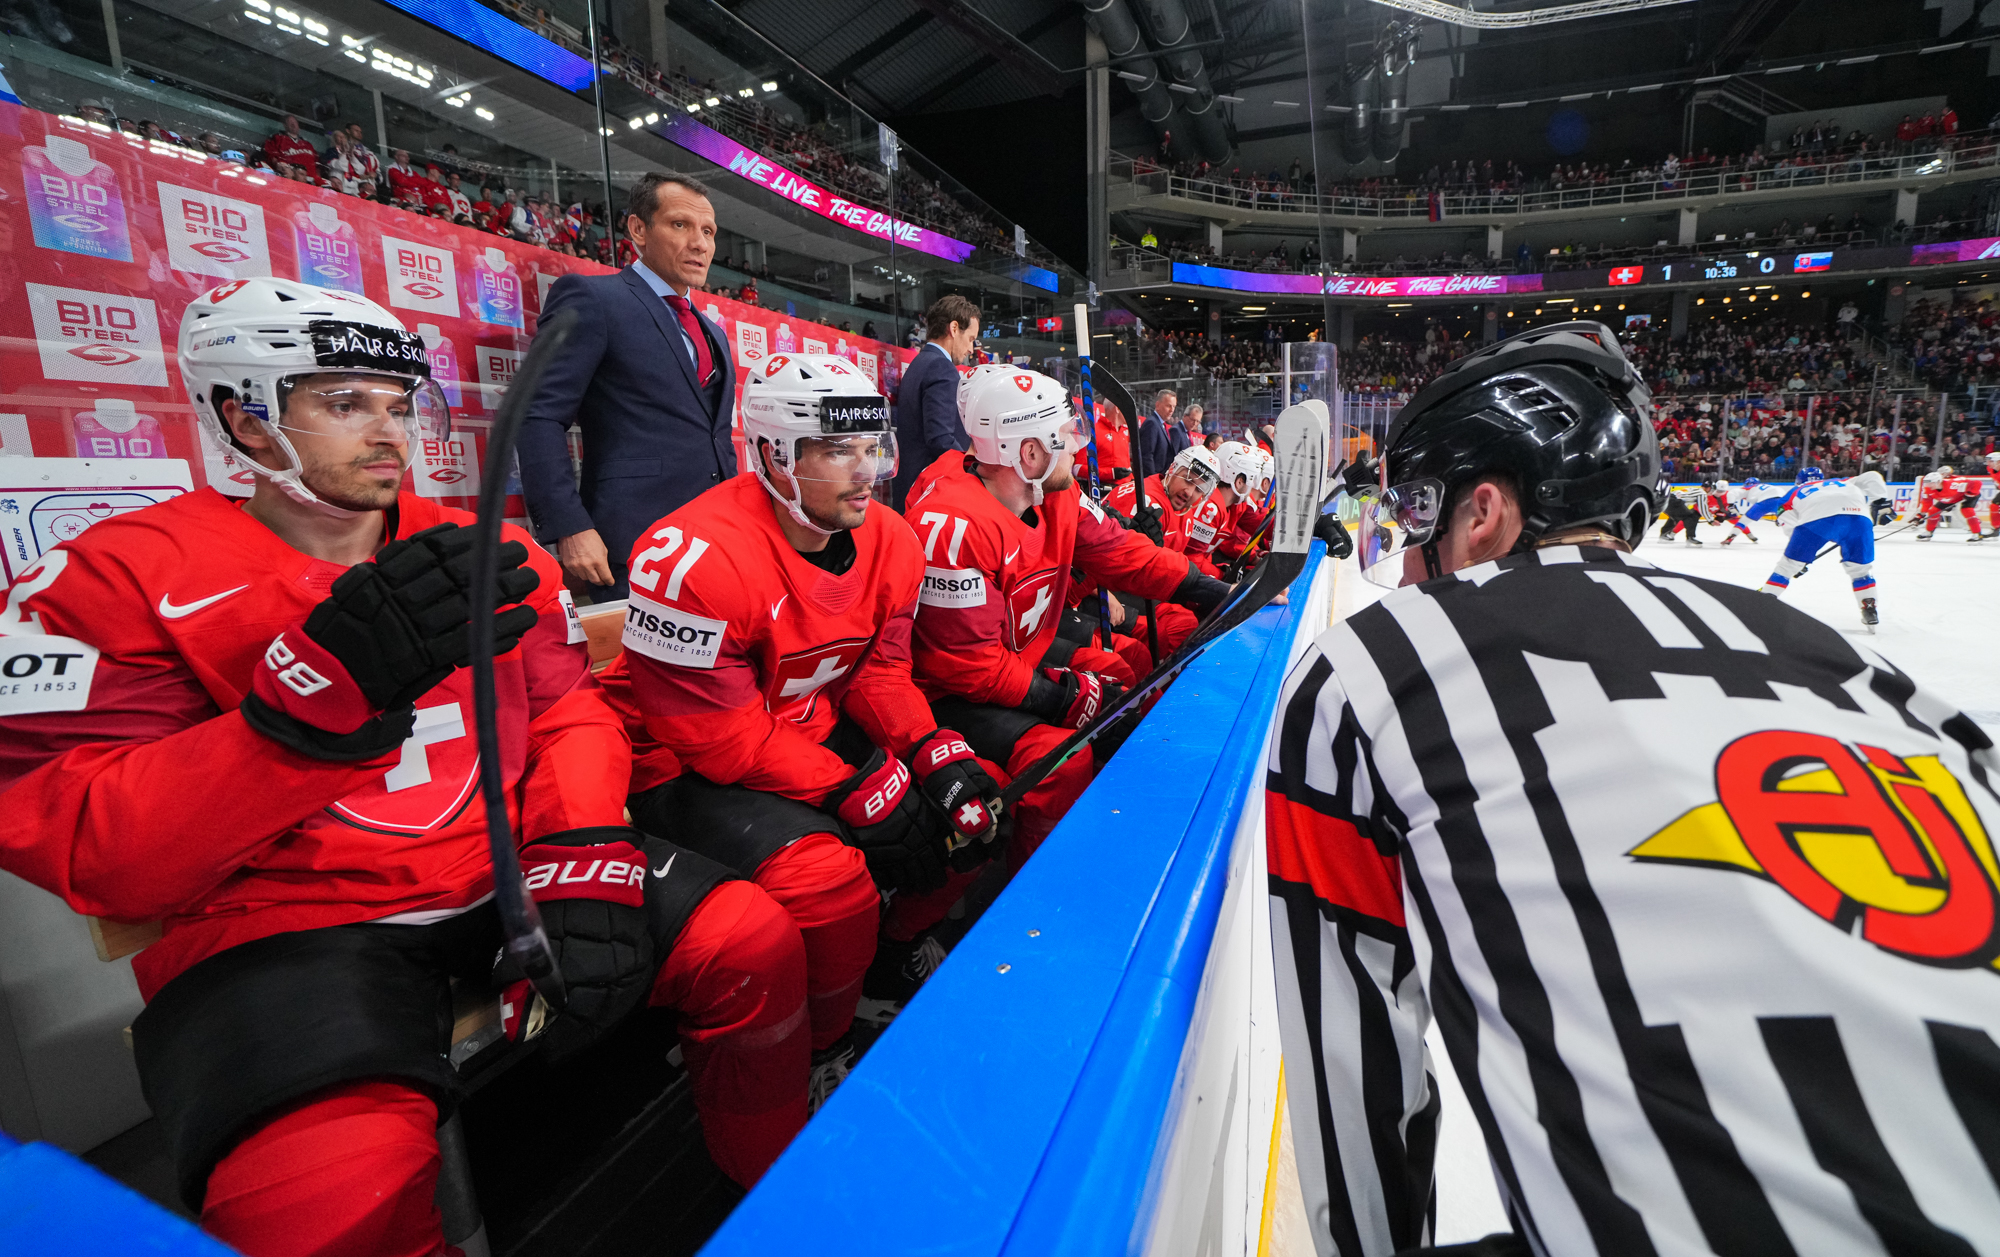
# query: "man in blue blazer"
{"points": [[646, 378], [927, 403], [1154, 448]]}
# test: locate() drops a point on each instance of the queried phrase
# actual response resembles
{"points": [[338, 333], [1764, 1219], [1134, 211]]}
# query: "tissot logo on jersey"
{"points": [[45, 673], [1858, 835], [953, 587], [670, 635]]}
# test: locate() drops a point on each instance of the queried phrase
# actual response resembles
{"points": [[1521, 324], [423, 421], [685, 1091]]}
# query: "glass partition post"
{"points": [[603, 132]]}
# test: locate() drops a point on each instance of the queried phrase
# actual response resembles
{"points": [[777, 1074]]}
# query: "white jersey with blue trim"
{"points": [[1819, 499]]}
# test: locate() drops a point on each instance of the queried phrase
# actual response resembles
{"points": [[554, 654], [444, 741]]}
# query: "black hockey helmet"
{"points": [[1559, 409]]}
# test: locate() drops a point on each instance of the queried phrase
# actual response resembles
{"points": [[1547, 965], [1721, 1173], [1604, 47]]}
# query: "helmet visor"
{"points": [[364, 403], [1394, 521], [859, 461]]}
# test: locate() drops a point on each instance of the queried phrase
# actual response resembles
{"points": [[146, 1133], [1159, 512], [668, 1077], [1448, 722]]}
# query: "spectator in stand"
{"points": [[405, 183], [646, 379], [460, 202], [293, 148], [927, 422]]}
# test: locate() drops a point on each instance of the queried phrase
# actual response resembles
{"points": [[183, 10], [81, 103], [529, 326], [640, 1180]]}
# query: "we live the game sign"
{"points": [[107, 239]]}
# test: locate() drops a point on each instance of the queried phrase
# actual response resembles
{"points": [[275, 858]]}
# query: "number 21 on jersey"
{"points": [[647, 576]]}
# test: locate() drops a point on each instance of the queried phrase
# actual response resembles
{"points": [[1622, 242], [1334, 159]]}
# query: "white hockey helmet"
{"points": [[1239, 462], [1936, 478], [1002, 406], [1992, 461], [793, 399], [1199, 465], [254, 340]]}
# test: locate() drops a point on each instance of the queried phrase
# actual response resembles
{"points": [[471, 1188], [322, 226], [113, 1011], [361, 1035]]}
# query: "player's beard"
{"points": [[350, 487], [1059, 478], [836, 515]]}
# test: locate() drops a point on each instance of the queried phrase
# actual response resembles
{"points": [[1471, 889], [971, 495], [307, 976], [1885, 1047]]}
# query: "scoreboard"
{"points": [[1722, 268]]}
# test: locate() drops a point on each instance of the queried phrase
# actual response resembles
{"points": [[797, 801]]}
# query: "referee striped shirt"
{"points": [[1703, 896]]}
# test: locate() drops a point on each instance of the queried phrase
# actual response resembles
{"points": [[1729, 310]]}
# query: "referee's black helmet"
{"points": [[1560, 410]]}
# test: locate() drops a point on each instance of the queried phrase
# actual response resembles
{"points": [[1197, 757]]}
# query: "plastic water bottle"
{"points": [[329, 253], [74, 200]]}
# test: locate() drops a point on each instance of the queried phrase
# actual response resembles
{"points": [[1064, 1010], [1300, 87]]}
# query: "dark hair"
{"points": [[644, 199], [946, 310]]}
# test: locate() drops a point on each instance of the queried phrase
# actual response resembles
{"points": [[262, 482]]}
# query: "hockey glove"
{"points": [[1146, 522], [341, 686], [949, 776], [902, 839], [1200, 593], [590, 886], [1334, 534], [1071, 699]]}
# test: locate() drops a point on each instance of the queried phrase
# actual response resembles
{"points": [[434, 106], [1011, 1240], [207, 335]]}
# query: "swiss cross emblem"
{"points": [[1032, 606], [795, 685], [774, 366], [226, 291], [434, 778], [1026, 383]]}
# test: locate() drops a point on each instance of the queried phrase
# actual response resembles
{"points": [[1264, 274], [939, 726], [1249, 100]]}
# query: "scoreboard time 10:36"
{"points": [[1722, 268]]}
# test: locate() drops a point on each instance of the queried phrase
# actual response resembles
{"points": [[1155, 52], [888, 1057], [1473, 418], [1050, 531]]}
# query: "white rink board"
{"points": [[46, 501]]}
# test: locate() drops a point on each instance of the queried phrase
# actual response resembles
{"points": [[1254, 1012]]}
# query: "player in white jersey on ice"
{"points": [[1702, 895], [1823, 513]]}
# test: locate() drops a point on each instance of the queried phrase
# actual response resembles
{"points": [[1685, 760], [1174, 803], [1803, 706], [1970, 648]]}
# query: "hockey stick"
{"points": [[1089, 420], [1120, 398], [526, 943], [1301, 463]]}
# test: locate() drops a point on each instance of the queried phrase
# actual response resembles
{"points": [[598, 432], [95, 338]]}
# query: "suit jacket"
{"points": [[653, 440], [926, 416], [1151, 451], [1178, 438]]}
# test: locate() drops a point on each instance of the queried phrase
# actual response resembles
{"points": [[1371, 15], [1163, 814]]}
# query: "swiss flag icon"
{"points": [[1627, 274], [1025, 383], [796, 682]]}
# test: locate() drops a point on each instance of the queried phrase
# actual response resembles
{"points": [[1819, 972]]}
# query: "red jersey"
{"points": [[1950, 493], [740, 655], [286, 147], [405, 184], [1173, 525], [1114, 442], [1206, 524], [143, 794], [1718, 507], [994, 583]]}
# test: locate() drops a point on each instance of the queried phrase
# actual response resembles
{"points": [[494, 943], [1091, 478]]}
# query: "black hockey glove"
{"points": [[590, 886], [1334, 534], [1200, 593], [1071, 699], [1363, 473], [902, 838], [341, 686], [1885, 513], [1146, 522], [950, 778]]}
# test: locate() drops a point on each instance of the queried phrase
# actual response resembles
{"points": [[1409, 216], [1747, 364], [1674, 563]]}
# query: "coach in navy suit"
{"points": [[927, 422], [1154, 445], [647, 380]]}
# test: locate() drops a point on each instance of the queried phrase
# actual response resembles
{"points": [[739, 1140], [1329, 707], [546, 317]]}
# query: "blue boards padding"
{"points": [[1015, 1105], [52, 1205]]}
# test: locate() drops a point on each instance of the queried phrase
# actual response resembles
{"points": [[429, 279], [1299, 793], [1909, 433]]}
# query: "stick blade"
{"points": [[1303, 433]]}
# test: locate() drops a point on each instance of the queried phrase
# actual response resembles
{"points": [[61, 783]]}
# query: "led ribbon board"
{"points": [[1356, 285], [727, 153], [510, 41]]}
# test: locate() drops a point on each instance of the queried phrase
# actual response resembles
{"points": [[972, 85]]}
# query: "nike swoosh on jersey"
{"points": [[172, 612], [1010, 557], [662, 870], [779, 603]]}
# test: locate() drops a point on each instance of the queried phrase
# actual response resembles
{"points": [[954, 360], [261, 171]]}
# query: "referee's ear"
{"points": [[1485, 523]]}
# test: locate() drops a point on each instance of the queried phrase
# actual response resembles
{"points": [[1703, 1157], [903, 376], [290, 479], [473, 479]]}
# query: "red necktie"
{"points": [[704, 362]]}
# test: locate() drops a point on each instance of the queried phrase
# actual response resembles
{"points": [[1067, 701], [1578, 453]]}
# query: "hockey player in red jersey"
{"points": [[766, 680], [1718, 509], [263, 737], [1943, 490], [1001, 528], [1190, 480], [1114, 444], [1242, 468]]}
